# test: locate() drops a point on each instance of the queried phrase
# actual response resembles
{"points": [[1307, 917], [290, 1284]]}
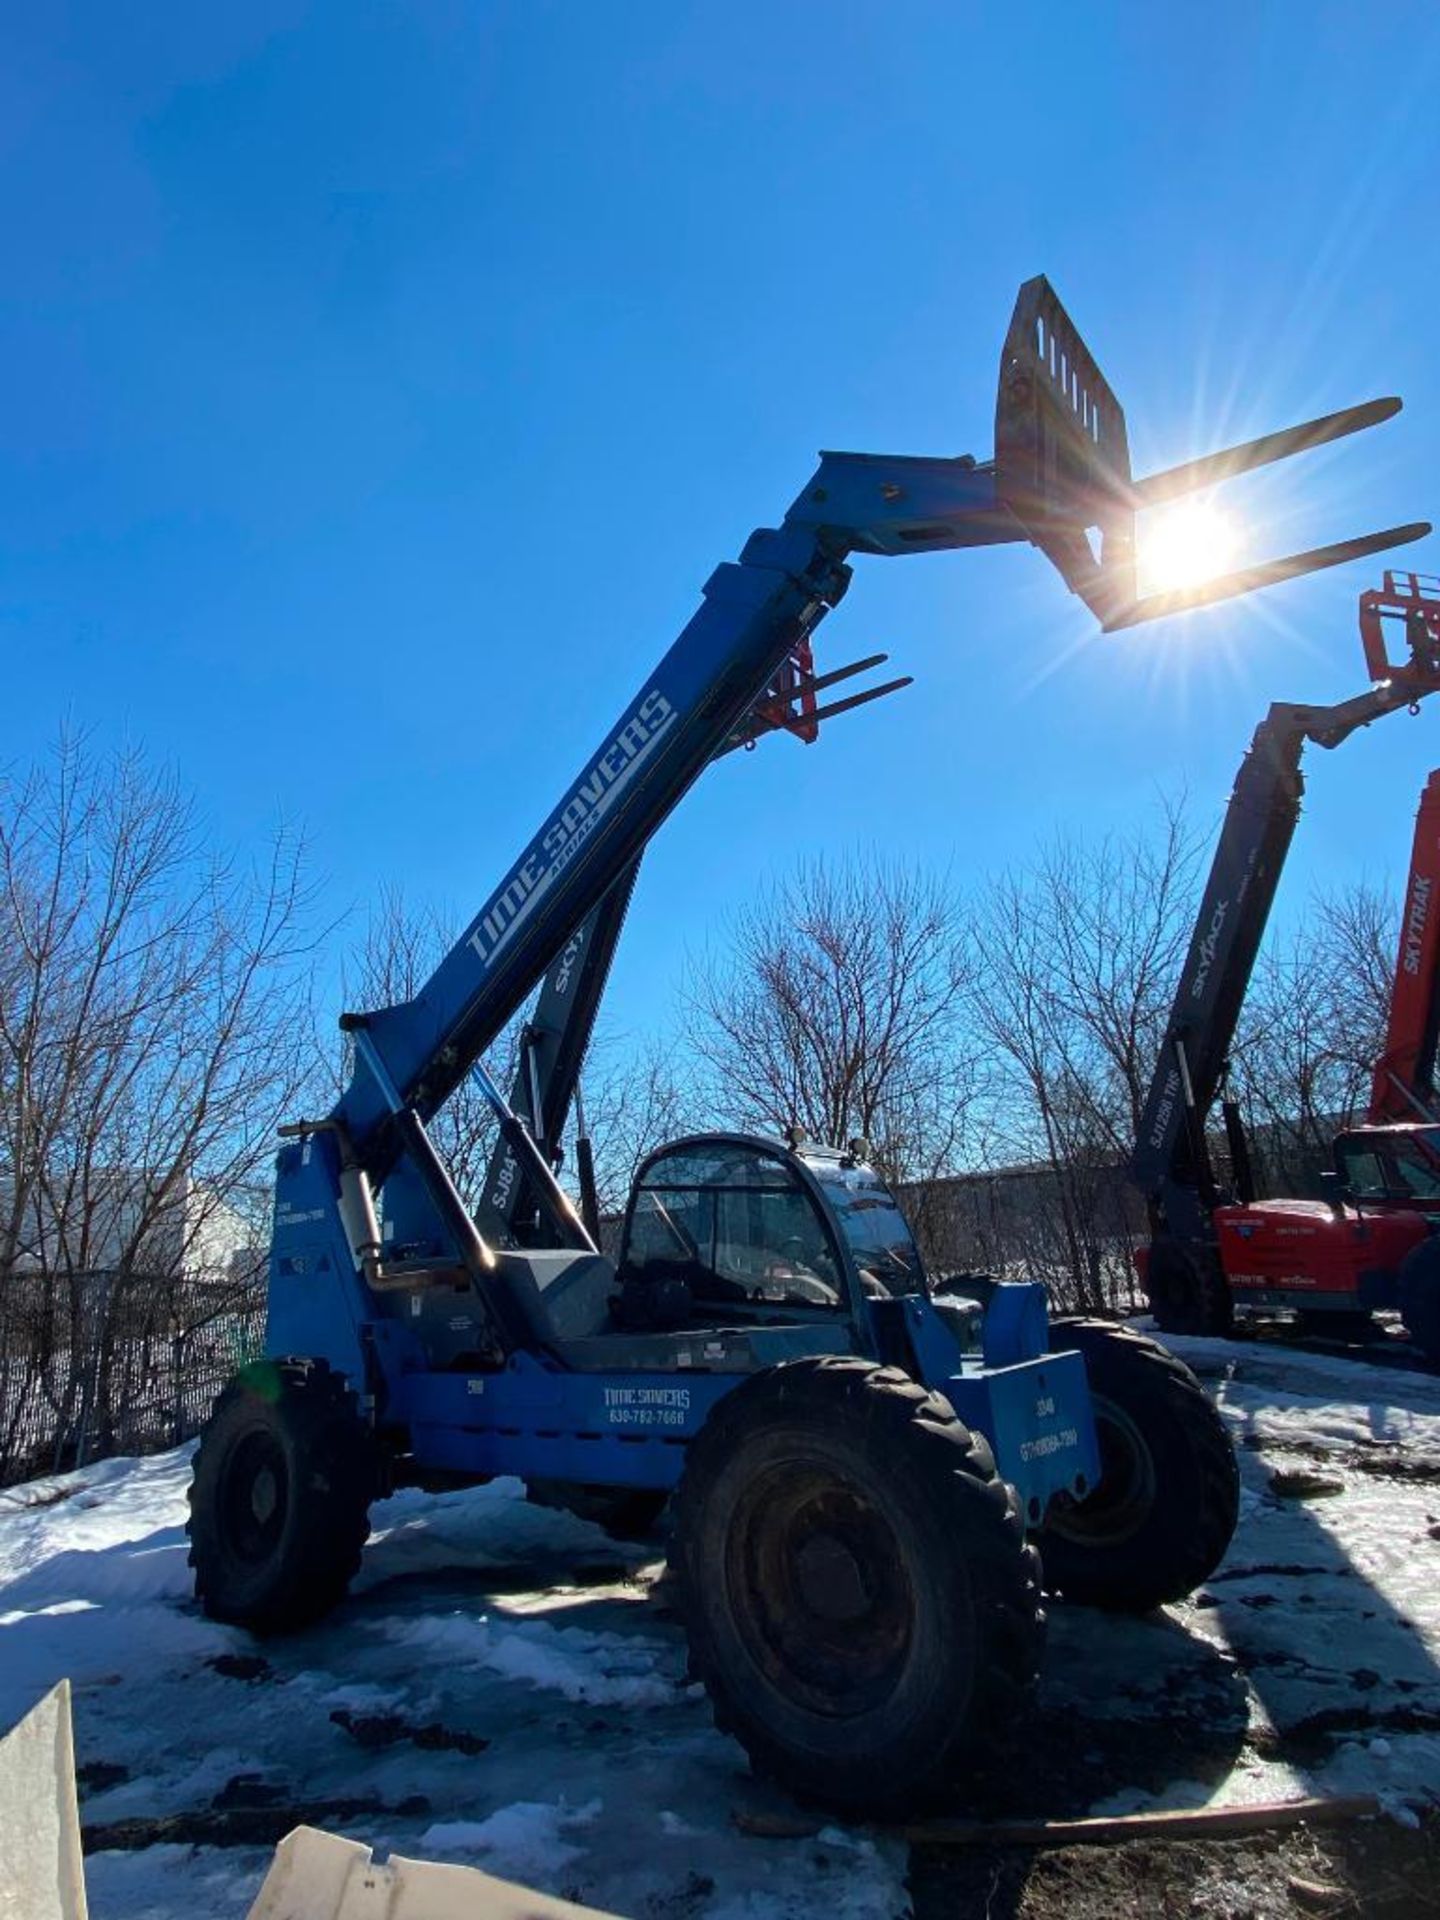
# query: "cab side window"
{"points": [[1367, 1177]]}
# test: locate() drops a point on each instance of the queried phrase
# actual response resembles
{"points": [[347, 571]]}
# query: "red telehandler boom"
{"points": [[1404, 1089]]}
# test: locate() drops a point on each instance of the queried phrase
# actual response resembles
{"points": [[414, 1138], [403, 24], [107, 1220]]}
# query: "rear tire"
{"points": [[1187, 1292], [860, 1601], [1419, 1294], [1161, 1518], [280, 1496]]}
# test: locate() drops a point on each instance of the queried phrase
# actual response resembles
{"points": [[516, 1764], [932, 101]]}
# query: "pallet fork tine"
{"points": [[1212, 468], [1265, 573]]}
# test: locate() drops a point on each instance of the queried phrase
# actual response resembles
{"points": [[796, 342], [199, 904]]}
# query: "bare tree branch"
{"points": [[836, 1006]]}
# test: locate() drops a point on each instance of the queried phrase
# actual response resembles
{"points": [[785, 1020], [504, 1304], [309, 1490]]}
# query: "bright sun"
{"points": [[1187, 545]]}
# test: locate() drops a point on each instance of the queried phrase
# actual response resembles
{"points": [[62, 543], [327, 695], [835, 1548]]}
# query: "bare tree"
{"points": [[637, 1096], [837, 1006], [1312, 1030], [1078, 956], [401, 945], [1360, 926], [154, 1027]]}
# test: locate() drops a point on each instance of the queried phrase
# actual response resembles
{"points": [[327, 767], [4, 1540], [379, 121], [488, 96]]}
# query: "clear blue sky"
{"points": [[382, 382]]}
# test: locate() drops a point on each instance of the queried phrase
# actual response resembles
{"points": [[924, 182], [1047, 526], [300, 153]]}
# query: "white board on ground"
{"points": [[319, 1876], [41, 1874]]}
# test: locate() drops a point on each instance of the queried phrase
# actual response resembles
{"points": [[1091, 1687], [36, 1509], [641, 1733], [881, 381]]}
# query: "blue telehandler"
{"points": [[862, 1468]]}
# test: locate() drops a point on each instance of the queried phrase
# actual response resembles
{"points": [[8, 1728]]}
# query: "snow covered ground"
{"points": [[505, 1688]]}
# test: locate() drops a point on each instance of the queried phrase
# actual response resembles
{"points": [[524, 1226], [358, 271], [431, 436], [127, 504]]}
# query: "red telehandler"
{"points": [[1374, 1240]]}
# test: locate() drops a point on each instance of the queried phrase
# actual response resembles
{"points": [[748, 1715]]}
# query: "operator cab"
{"points": [[1390, 1166], [741, 1227]]}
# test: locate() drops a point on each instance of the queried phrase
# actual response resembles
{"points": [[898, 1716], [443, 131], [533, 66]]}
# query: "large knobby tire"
{"points": [[1188, 1292], [860, 1601], [1419, 1297], [280, 1497], [1160, 1519]]}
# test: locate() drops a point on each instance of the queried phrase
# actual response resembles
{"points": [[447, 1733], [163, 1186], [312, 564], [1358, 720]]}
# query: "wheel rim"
{"points": [[1125, 1494], [818, 1587], [254, 1496]]}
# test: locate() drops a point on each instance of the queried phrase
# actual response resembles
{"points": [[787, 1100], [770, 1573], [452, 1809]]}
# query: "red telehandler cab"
{"points": [[1372, 1242]]}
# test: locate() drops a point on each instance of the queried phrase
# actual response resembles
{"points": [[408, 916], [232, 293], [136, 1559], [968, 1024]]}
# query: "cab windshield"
{"points": [[737, 1224], [1392, 1166], [873, 1226]]}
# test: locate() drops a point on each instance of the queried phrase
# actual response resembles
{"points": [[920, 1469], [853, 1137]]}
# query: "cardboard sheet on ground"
{"points": [[314, 1875], [41, 1874], [319, 1876]]}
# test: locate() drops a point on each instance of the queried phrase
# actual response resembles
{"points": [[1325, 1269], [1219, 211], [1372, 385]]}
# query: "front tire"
{"points": [[1160, 1520], [859, 1598], [280, 1496], [1188, 1292]]}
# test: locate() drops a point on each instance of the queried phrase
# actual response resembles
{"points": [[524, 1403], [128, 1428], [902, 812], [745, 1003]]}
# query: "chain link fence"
{"points": [[113, 1362]]}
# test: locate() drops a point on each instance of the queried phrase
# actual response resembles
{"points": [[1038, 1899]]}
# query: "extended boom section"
{"points": [[753, 614], [1060, 473]]}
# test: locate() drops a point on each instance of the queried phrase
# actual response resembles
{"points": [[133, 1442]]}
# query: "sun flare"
{"points": [[1187, 545]]}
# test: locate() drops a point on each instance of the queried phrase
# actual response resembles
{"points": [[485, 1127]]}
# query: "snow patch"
{"points": [[359, 1697], [677, 1829], [520, 1842], [596, 1669], [175, 1883]]}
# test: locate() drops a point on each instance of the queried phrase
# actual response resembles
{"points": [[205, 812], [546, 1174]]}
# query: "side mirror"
{"points": [[1334, 1192]]}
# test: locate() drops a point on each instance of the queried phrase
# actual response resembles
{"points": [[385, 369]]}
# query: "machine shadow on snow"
{"points": [[1366, 1660], [1122, 1702], [396, 1592]]}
